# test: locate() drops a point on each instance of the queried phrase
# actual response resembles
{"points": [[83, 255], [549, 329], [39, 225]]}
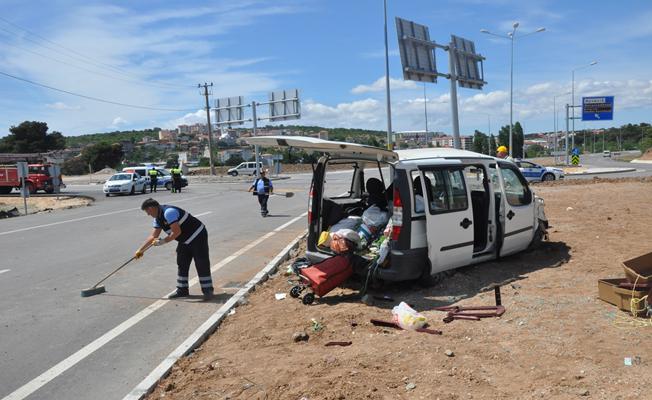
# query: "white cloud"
{"points": [[188, 119], [379, 85], [62, 106], [119, 121]]}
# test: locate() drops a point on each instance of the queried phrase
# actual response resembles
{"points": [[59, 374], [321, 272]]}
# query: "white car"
{"points": [[124, 183], [539, 173], [245, 168]]}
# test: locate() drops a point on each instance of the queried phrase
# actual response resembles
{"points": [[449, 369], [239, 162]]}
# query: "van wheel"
{"points": [[538, 238], [168, 186], [144, 189], [233, 173], [429, 280]]}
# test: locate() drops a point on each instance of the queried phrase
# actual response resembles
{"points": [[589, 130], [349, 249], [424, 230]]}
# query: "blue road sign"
{"points": [[575, 151], [598, 108]]}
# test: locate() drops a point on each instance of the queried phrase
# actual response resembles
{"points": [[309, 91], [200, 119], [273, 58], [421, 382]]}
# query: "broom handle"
{"points": [[120, 267]]}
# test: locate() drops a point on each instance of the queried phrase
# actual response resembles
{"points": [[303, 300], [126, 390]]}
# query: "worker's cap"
{"points": [[502, 149]]}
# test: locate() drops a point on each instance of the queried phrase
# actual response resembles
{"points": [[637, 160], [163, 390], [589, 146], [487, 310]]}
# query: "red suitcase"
{"points": [[323, 277]]}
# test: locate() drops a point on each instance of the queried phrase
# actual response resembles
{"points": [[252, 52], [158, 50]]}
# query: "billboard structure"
{"points": [[229, 110], [419, 63], [284, 105]]}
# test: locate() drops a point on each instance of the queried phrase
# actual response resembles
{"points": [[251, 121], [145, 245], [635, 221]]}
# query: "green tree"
{"points": [[492, 145], [31, 137], [517, 139], [480, 144], [535, 150], [102, 155]]}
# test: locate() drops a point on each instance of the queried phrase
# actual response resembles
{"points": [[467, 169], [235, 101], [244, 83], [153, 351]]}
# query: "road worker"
{"points": [[262, 188], [502, 152], [192, 238]]}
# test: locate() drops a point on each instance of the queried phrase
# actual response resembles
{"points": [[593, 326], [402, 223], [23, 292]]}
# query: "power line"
{"points": [[81, 57], [93, 98]]}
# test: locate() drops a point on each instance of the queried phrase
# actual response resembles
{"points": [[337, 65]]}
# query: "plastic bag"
{"points": [[383, 251], [407, 318], [373, 217], [344, 241], [351, 222]]}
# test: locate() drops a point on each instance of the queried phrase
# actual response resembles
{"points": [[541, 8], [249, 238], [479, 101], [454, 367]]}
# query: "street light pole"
{"points": [[554, 111], [573, 103], [425, 110], [389, 107], [511, 36]]}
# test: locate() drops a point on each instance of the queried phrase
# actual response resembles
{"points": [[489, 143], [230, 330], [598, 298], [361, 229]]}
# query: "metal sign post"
{"points": [[418, 62], [283, 105], [23, 173]]}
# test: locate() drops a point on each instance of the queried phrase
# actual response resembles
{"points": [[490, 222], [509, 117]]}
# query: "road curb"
{"points": [[603, 172], [207, 328]]}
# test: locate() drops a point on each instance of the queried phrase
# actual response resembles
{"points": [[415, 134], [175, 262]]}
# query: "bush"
{"points": [[74, 166]]}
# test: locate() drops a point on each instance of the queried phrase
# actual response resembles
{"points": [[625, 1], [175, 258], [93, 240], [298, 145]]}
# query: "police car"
{"points": [[539, 173], [164, 176]]}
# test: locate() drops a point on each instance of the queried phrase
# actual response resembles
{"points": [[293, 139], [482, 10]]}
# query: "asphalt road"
{"points": [[57, 345], [597, 160]]}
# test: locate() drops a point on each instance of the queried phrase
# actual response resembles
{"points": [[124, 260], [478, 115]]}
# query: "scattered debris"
{"points": [[300, 337], [410, 386], [232, 311], [569, 208], [316, 325], [392, 324], [339, 344], [280, 296], [449, 353], [384, 298]]}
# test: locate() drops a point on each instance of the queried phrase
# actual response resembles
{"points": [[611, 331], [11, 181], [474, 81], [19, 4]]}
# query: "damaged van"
{"points": [[446, 208]]}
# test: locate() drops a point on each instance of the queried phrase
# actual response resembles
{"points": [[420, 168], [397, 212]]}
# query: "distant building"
{"points": [[167, 134], [225, 155], [448, 141]]}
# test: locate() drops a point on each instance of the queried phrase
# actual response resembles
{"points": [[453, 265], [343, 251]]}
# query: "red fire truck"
{"points": [[39, 178]]}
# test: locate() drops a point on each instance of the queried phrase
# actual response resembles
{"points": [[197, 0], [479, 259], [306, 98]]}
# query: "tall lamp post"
{"points": [[511, 36], [554, 111], [592, 63]]}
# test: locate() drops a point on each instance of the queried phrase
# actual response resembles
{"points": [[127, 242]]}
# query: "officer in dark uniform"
{"points": [[153, 179], [176, 179], [192, 238], [262, 188]]}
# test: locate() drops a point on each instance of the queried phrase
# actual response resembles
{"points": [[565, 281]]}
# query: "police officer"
{"points": [[262, 188], [153, 179], [176, 179], [192, 238]]}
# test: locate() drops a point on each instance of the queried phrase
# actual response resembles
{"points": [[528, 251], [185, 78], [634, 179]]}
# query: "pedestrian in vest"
{"points": [[176, 179], [262, 188], [153, 179], [192, 238]]}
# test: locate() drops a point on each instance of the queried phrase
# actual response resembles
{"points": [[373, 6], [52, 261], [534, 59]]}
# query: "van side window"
{"points": [[446, 191], [516, 190], [339, 181]]}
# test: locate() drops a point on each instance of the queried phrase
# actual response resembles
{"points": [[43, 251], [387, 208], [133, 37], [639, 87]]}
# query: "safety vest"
{"points": [[153, 174], [190, 226], [265, 185], [175, 171]]}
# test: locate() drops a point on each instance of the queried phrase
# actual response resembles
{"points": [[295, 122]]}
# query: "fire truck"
{"points": [[39, 178]]}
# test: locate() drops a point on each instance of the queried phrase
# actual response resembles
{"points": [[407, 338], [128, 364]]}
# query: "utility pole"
{"points": [[210, 128], [566, 144]]}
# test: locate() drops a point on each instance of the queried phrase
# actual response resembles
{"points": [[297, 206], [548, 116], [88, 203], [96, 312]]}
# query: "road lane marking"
{"points": [[47, 376], [94, 216], [204, 213], [2, 271]]}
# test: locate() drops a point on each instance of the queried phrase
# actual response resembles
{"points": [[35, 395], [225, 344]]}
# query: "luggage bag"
{"points": [[323, 277]]}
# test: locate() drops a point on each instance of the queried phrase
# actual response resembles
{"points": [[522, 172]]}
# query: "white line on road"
{"points": [[41, 380], [93, 216], [2, 271], [204, 213]]}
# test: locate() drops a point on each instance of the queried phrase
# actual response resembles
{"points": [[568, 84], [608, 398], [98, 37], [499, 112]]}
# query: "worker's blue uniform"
{"points": [[262, 188], [193, 244]]}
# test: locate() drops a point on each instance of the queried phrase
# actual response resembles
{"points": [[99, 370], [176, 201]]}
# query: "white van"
{"points": [[245, 168], [476, 207]]}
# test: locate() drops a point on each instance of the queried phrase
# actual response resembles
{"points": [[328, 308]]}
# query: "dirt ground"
{"points": [[557, 340], [43, 204]]}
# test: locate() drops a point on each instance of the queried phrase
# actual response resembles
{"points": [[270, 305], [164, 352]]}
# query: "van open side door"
{"points": [[517, 209], [449, 216]]}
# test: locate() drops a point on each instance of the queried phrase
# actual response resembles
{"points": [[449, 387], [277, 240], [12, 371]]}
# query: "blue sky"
{"points": [[153, 53]]}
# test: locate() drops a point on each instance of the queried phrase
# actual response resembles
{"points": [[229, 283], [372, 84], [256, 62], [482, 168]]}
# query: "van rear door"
{"points": [[449, 216], [334, 149], [518, 210]]}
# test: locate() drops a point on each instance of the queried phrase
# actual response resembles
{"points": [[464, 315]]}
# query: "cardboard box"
{"points": [[639, 268], [609, 291]]}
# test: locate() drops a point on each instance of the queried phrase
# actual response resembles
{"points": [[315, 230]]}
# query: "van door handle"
{"points": [[510, 214], [465, 223]]}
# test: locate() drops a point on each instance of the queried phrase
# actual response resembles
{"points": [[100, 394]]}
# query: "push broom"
{"points": [[97, 289]]}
